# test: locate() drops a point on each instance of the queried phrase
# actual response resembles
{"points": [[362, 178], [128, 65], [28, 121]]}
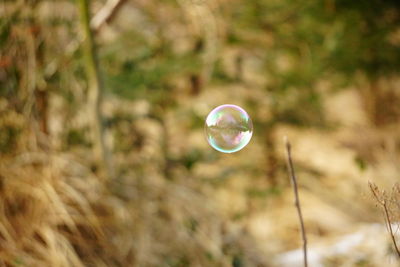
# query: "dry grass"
{"points": [[55, 212], [42, 208]]}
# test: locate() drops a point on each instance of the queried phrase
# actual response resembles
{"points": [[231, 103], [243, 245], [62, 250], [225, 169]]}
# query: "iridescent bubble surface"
{"points": [[228, 128]]}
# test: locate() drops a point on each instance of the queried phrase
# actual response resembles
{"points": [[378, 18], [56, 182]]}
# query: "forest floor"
{"points": [[175, 201]]}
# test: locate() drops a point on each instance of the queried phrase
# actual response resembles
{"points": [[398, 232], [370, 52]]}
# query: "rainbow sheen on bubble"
{"points": [[228, 128]]}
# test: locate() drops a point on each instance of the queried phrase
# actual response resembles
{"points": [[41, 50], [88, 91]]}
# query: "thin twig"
{"points": [[106, 14], [390, 228], [293, 178], [382, 202]]}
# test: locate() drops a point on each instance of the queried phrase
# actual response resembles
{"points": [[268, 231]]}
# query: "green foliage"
{"points": [[147, 72], [263, 193], [8, 138], [313, 42], [191, 224], [361, 163], [365, 42], [18, 261], [177, 262], [9, 73], [237, 261], [191, 158], [220, 76], [76, 137]]}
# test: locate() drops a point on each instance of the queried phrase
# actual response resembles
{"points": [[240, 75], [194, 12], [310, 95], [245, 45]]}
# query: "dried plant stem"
{"points": [[95, 90], [293, 178], [106, 13], [390, 228], [382, 202]]}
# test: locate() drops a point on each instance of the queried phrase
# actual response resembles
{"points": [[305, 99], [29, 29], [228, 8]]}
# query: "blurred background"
{"points": [[103, 158]]}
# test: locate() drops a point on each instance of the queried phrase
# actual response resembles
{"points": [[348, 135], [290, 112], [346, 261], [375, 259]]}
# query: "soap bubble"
{"points": [[228, 128]]}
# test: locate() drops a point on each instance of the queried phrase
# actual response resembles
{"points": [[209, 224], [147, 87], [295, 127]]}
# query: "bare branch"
{"points": [[293, 178], [382, 201]]}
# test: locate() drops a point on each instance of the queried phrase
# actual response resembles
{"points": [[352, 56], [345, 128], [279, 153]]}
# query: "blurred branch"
{"points": [[382, 201], [293, 178], [106, 14], [95, 88]]}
